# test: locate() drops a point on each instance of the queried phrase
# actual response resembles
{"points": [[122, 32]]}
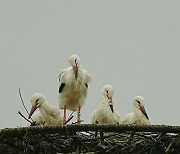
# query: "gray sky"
{"points": [[132, 45]]}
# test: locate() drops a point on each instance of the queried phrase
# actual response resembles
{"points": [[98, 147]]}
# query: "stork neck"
{"points": [[137, 111]]}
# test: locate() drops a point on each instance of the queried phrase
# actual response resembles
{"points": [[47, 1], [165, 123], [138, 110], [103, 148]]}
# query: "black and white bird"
{"points": [[106, 113], [43, 113], [73, 87], [139, 115]]}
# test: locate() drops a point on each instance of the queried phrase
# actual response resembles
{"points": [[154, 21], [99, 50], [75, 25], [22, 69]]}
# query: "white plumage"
{"points": [[139, 115], [73, 85], [43, 113], [106, 113]]}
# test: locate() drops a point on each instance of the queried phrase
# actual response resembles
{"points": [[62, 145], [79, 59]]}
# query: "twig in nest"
{"points": [[24, 104], [23, 101], [168, 148], [70, 117], [25, 117], [77, 122], [79, 138], [71, 114]]}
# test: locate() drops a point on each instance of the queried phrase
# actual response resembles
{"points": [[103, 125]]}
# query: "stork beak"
{"points": [[143, 111], [75, 68], [33, 109], [111, 106], [109, 97]]}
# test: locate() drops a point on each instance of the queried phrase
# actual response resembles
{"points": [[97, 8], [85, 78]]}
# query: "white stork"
{"points": [[106, 113], [44, 114], [139, 115], [73, 86]]}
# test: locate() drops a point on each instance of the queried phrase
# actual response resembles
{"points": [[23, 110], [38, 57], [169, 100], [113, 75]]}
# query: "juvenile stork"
{"points": [[43, 113], [106, 113], [139, 115]]}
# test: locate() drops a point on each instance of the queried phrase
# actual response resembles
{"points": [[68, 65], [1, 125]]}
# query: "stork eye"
{"points": [[37, 100], [75, 60], [138, 101], [107, 91]]}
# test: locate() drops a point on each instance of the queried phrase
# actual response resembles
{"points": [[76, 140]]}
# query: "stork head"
{"points": [[139, 104], [74, 60], [37, 100], [107, 92]]}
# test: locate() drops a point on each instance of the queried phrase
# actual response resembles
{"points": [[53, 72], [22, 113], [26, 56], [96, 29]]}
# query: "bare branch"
{"points": [[23, 101], [24, 104], [71, 114], [24, 117], [77, 122], [69, 119]]}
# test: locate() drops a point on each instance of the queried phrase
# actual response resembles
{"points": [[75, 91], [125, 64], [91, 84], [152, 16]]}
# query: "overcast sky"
{"points": [[132, 45]]}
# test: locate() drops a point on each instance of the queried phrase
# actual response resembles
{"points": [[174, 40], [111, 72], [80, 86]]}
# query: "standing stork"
{"points": [[73, 86], [139, 115], [43, 113], [106, 113]]}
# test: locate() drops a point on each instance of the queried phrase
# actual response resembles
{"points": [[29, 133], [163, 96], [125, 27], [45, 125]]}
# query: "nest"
{"points": [[91, 139]]}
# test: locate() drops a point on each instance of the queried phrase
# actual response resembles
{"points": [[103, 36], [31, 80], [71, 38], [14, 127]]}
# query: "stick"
{"points": [[69, 119], [24, 104], [71, 114], [23, 101], [24, 117], [77, 122]]}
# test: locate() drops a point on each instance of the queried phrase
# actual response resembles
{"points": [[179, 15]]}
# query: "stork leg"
{"points": [[78, 115], [64, 118]]}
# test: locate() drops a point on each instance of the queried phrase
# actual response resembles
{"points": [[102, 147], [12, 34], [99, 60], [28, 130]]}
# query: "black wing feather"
{"points": [[61, 87]]}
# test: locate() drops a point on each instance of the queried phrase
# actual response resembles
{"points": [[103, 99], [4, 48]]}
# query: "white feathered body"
{"points": [[47, 115], [74, 92], [38, 118], [136, 117], [104, 115]]}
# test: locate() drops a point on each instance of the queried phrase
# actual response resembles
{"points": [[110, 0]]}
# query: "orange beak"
{"points": [[33, 109], [141, 107]]}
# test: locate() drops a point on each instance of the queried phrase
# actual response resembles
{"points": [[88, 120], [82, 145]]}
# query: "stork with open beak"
{"points": [[139, 114], [73, 87], [106, 113], [43, 113]]}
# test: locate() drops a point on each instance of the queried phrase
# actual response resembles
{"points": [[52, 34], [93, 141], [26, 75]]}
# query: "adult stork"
{"points": [[139, 115], [73, 86], [106, 113], [43, 113]]}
